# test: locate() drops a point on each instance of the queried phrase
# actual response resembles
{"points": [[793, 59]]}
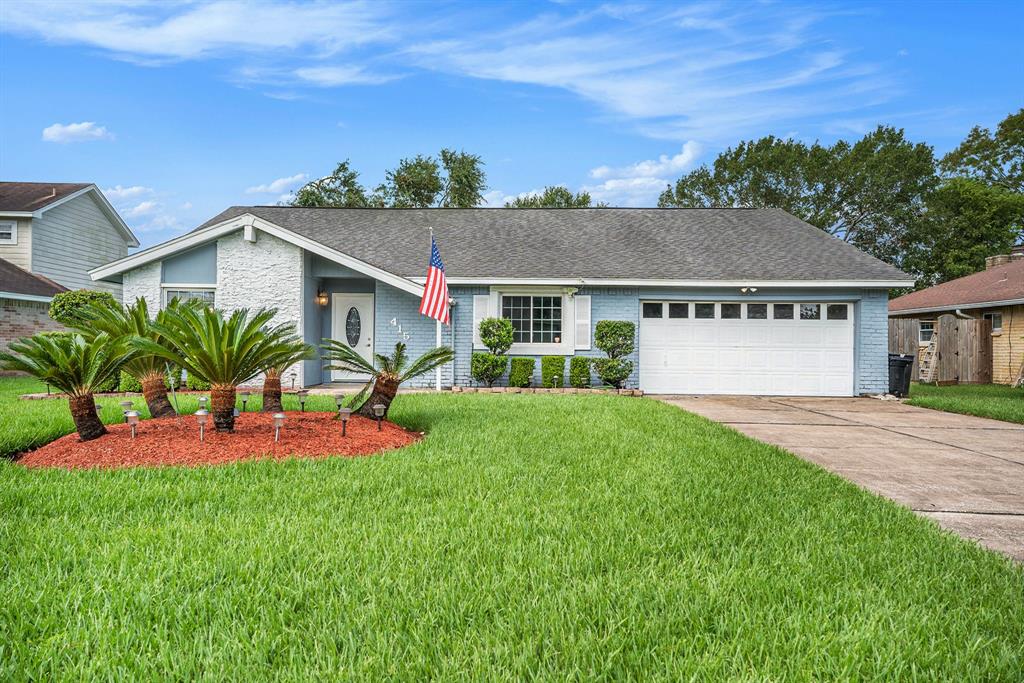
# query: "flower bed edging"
{"points": [[540, 390]]}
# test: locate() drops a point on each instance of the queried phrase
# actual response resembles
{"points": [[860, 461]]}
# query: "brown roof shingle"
{"points": [[999, 283], [15, 280], [34, 196]]}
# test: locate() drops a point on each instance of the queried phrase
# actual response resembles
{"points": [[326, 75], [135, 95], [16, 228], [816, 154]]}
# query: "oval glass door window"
{"points": [[353, 326]]}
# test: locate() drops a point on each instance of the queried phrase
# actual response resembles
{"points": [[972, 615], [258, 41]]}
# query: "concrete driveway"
{"points": [[966, 473]]}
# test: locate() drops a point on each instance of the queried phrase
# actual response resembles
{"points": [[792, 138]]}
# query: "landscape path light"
{"points": [[344, 414], [202, 415], [99, 411], [301, 393], [132, 418], [245, 399], [339, 399], [378, 411], [278, 423], [236, 412], [125, 407], [202, 402]]}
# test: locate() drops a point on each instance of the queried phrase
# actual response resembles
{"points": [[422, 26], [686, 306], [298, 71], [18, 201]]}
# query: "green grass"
{"points": [[996, 401], [528, 536]]}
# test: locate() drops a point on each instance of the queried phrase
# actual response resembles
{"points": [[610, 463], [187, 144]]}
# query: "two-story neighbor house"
{"points": [[51, 235], [744, 301]]}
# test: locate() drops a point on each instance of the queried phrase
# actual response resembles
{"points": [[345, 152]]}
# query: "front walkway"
{"points": [[964, 472]]}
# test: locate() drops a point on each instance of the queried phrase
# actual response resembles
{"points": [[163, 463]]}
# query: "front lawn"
{"points": [[528, 536], [996, 401]]}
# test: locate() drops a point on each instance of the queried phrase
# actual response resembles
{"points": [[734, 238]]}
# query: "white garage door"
{"points": [[775, 349]]}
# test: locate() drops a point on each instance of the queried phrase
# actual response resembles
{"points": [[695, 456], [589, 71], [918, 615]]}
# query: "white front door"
{"points": [[773, 348], [352, 324]]}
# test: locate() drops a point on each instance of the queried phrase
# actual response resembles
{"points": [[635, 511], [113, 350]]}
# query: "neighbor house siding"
{"points": [[70, 239], [20, 254], [1008, 345]]}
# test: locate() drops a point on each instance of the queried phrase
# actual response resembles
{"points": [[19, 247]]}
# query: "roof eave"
{"points": [[956, 307]]}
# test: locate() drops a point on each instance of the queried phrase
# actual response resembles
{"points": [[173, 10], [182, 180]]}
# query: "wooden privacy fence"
{"points": [[963, 347]]}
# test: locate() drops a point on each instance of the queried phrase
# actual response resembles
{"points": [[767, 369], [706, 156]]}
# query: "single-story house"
{"points": [[996, 294], [51, 235], [730, 301]]}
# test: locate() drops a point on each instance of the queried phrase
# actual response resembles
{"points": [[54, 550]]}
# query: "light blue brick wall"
{"points": [[390, 304], [871, 359]]}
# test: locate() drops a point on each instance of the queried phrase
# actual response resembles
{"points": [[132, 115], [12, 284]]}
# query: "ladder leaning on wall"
{"points": [[929, 361]]}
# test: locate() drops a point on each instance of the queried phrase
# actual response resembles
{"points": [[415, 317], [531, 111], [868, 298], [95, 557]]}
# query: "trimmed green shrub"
{"points": [[613, 371], [66, 307], [552, 371], [496, 334], [615, 337], [579, 372], [196, 384], [521, 374], [128, 383], [487, 367]]}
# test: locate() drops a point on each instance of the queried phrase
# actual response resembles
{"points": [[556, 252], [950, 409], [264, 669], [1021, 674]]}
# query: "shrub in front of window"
{"points": [[487, 367], [615, 338], [195, 384], [496, 334], [67, 307], [129, 383], [521, 374], [579, 372], [552, 371]]}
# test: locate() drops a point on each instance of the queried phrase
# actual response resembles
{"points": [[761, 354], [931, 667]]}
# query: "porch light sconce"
{"points": [[378, 412], [245, 399], [201, 416], [344, 414], [125, 407], [132, 418], [278, 423], [292, 376], [301, 393], [321, 297], [748, 290]]}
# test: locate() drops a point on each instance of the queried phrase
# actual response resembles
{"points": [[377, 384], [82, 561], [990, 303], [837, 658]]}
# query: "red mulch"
{"points": [[175, 441]]}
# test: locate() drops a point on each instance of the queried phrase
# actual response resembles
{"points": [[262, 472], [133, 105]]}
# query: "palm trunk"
{"points": [[154, 389], [384, 391], [87, 422], [222, 404], [272, 392]]}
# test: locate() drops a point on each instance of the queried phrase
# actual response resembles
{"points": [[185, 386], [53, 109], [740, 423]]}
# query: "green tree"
{"points": [[339, 189], [416, 183], [554, 197], [464, 181], [68, 308], [74, 364], [388, 373], [966, 220], [996, 159], [869, 193]]}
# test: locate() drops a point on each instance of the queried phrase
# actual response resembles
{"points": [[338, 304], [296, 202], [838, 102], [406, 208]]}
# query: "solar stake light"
{"points": [[132, 418], [202, 415], [236, 412], [245, 399], [293, 376], [202, 402], [344, 414], [125, 407], [378, 411], [339, 399], [301, 393], [278, 423], [99, 410]]}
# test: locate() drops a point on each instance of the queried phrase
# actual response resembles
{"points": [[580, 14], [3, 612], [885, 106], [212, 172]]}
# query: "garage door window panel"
{"points": [[837, 311], [730, 311], [810, 311], [782, 311], [757, 311], [679, 310], [652, 309], [704, 311]]}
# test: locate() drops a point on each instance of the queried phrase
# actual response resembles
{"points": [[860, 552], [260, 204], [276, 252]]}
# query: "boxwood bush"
{"points": [[196, 384], [487, 367], [579, 372], [496, 335], [552, 371], [521, 374], [66, 307], [616, 339]]}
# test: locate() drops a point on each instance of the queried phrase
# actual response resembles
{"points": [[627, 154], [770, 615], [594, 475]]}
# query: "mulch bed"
{"points": [[175, 441]]}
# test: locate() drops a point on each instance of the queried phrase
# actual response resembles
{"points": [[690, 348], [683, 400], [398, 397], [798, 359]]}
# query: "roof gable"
{"points": [[33, 199]]}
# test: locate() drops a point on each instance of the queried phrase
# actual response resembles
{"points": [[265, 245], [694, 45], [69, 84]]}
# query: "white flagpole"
{"points": [[437, 371]]}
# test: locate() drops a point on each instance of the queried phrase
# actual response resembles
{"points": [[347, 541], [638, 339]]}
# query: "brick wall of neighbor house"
{"points": [[265, 273], [23, 319], [1008, 346]]}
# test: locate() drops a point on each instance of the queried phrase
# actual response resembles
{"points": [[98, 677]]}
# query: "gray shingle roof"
{"points": [[671, 244]]}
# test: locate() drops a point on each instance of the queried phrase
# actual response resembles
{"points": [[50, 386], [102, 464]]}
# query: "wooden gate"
{"points": [[963, 347]]}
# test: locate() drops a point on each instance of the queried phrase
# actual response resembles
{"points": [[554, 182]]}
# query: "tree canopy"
{"points": [[554, 197], [995, 159]]}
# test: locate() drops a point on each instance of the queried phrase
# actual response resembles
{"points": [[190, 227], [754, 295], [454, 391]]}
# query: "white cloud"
{"points": [[142, 209], [640, 183], [130, 192], [279, 185], [334, 76], [653, 167], [76, 132], [498, 199]]}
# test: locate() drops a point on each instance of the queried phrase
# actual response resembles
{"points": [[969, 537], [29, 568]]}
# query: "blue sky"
{"points": [[179, 110]]}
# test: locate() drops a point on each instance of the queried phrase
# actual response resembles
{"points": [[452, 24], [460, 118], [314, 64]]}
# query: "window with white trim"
{"points": [[996, 319], [535, 319], [8, 232], [926, 331], [207, 296]]}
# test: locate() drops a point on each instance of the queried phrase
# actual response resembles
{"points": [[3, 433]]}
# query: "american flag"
{"points": [[435, 292]]}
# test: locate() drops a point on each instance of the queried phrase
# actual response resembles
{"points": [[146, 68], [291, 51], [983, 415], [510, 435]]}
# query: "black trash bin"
{"points": [[900, 368]]}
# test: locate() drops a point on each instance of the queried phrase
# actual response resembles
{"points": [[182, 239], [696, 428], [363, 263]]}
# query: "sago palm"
{"points": [[222, 351], [133, 321], [75, 365], [390, 371], [300, 351]]}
